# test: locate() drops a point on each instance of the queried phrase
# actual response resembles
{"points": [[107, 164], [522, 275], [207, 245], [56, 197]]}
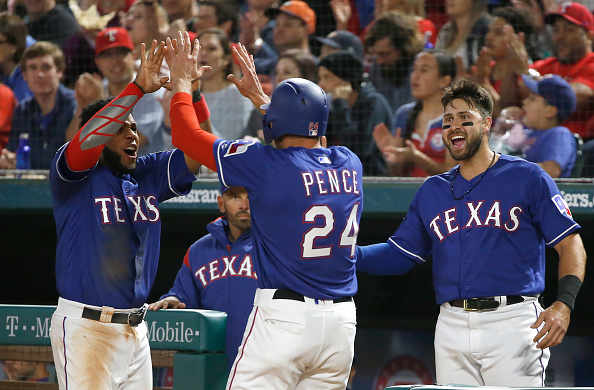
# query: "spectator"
{"points": [[355, 109], [218, 13], [17, 370], [417, 148], [393, 41], [46, 115], [7, 107], [464, 35], [13, 33], [229, 110], [255, 26], [550, 102], [573, 30], [228, 247], [115, 59], [79, 51], [339, 41], [146, 20], [181, 9], [542, 38], [296, 63], [47, 21], [295, 21], [493, 64], [352, 15], [415, 8]]}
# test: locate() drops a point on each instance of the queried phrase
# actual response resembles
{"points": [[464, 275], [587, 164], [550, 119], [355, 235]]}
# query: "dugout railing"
{"points": [[190, 341]]}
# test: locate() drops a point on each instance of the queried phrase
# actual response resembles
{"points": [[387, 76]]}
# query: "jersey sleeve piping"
{"points": [[415, 256], [169, 181], [219, 163], [60, 152], [562, 235]]}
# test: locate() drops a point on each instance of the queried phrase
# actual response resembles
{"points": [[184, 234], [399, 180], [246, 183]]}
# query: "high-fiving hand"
{"points": [[150, 64], [249, 85], [183, 62]]}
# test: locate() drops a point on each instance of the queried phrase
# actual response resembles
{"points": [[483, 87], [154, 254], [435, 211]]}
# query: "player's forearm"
{"points": [[186, 133], [382, 259], [83, 151], [572, 268]]}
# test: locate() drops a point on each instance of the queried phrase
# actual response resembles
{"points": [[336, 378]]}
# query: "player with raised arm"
{"points": [[306, 203], [106, 207], [486, 223]]}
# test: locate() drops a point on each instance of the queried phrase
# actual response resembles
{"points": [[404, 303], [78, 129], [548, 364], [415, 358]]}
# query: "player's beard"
{"points": [[241, 224], [473, 143], [113, 161]]}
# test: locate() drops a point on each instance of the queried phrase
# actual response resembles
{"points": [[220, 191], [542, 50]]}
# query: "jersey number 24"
{"points": [[348, 237]]}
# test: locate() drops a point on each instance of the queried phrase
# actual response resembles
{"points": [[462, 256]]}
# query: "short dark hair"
{"points": [[305, 62], [402, 31], [225, 10], [42, 49], [15, 30], [225, 45], [93, 108], [471, 93]]}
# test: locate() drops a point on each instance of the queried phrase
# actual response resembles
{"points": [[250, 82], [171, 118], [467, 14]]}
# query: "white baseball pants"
{"points": [[290, 344], [98, 356], [490, 348]]}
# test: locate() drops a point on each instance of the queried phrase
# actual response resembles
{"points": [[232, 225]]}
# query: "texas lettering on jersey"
{"points": [[447, 223], [226, 267], [111, 210]]}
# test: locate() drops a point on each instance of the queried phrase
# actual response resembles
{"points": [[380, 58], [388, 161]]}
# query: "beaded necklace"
{"points": [[479, 180]]}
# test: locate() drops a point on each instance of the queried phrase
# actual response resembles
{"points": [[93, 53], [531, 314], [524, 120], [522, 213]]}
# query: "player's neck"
{"points": [[298, 142], [481, 161]]}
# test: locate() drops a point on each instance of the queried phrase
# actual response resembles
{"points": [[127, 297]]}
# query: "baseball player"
{"points": [[306, 203], [486, 223], [218, 270], [106, 207]]}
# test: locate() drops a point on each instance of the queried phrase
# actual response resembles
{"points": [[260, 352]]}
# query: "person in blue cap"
{"points": [[550, 102]]}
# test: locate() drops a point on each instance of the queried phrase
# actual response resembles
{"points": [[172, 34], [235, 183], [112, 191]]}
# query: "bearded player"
{"points": [[486, 224], [106, 206]]}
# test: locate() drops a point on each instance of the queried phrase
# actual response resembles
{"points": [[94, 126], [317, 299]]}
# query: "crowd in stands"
{"points": [[383, 64]]}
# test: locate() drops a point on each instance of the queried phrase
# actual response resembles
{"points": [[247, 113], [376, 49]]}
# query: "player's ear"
{"points": [[487, 122], [221, 204]]}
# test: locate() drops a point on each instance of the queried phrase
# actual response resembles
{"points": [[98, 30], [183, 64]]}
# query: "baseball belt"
{"points": [[488, 303], [107, 314], [293, 296]]}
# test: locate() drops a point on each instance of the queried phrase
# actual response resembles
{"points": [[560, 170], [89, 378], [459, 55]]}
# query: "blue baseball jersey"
{"points": [[109, 227], [492, 241], [305, 205], [219, 275]]}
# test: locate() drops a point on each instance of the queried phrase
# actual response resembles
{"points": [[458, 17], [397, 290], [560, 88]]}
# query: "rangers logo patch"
{"points": [[313, 129], [561, 205], [238, 147]]}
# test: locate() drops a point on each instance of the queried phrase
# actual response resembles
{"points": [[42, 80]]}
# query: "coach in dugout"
{"points": [[218, 271], [106, 206]]}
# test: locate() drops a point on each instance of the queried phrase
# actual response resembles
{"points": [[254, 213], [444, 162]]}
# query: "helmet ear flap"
{"points": [[267, 129]]}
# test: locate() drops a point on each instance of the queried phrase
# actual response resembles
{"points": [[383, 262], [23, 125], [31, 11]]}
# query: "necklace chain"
{"points": [[475, 184]]}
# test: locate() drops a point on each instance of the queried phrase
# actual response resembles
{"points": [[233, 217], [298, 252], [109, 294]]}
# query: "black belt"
{"points": [[476, 304], [132, 319], [292, 295]]}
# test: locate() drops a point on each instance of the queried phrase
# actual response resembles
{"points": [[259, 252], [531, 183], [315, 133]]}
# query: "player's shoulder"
{"points": [[232, 148]]}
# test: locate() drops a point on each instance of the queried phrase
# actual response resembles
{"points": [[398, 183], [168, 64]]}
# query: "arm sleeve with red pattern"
{"points": [[83, 151], [186, 133]]}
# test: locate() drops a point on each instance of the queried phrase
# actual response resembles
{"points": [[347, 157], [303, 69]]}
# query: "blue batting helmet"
{"points": [[298, 106]]}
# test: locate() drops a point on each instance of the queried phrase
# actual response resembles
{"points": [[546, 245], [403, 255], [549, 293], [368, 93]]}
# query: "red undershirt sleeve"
{"points": [[186, 133], [83, 152]]}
